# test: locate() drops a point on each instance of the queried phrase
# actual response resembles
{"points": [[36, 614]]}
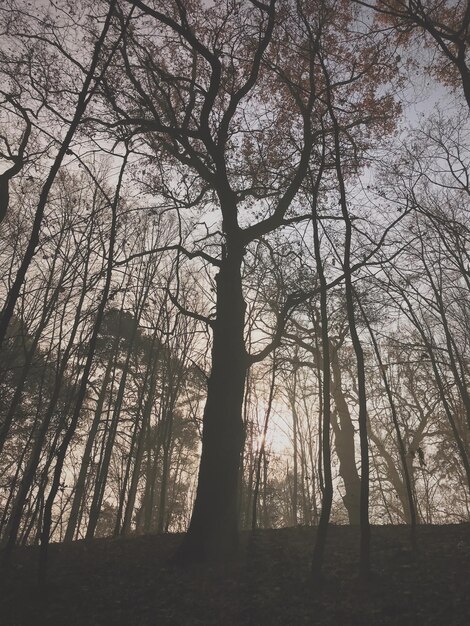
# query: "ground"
{"points": [[131, 582]]}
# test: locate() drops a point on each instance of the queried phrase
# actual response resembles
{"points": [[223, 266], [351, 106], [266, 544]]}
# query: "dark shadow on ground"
{"points": [[131, 582]]}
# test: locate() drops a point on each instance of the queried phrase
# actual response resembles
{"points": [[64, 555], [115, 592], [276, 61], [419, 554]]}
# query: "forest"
{"points": [[234, 291]]}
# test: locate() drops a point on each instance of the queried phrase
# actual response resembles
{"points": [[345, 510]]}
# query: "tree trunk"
{"points": [[345, 445], [295, 482], [213, 530], [262, 447], [326, 479]]}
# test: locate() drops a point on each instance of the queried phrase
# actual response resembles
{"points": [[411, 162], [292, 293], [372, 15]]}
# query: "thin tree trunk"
{"points": [[62, 451], [358, 350], [325, 422], [81, 480], [140, 448], [295, 425], [410, 509], [262, 446], [28, 477], [49, 302]]}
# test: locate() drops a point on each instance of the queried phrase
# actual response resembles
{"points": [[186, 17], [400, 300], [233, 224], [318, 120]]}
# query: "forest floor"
{"points": [[131, 582]]}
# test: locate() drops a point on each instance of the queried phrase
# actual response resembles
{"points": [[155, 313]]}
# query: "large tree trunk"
{"points": [[213, 530]]}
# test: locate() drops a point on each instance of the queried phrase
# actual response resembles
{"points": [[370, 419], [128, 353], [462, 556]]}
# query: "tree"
{"points": [[193, 110], [184, 119], [82, 101], [445, 26]]}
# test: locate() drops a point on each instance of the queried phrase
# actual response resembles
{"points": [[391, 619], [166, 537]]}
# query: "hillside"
{"points": [[130, 582]]}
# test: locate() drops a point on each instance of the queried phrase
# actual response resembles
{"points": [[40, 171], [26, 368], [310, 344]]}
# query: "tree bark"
{"points": [[213, 530], [345, 445]]}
